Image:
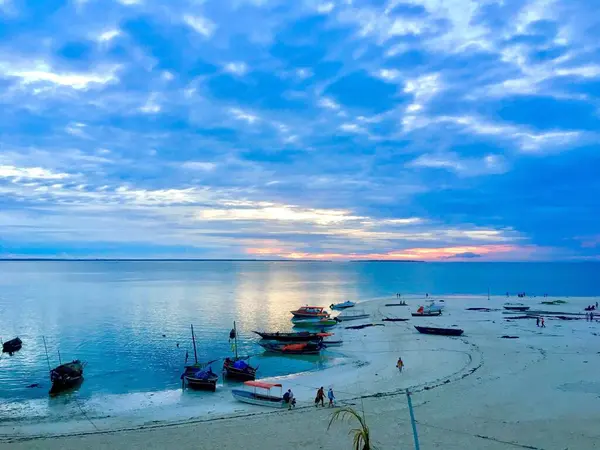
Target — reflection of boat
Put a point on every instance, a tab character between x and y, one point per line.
345	305
352	315
515	307
258	398
440	331
304	348
310	311
422	311
12	346
199	375
237	368
322	323
300	336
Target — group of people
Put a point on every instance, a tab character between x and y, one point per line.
290	400
540	322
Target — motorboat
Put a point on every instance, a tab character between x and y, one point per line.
262	397
299	336
303	348
12	346
516	307
308	319
321	324
310	311
426	312
352	315
344	305
440	331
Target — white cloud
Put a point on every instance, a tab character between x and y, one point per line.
388	74
328	103
242	115
201	25
352	128
109	35
201	166
42	73
489	164
236	68
31	173
151	106
130	2
77	129
325	8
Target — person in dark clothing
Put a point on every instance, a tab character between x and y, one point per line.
537	322
320	397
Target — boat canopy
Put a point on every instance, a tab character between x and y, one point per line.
262	384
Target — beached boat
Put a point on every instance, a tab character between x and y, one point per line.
66	376
332	343
12	346
426	314
352	315
237	368
344	305
308	319
440	331
433	306
199	375
303	348
299	336
310	311
321	324
259	398
516	307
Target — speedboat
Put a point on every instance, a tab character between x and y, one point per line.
340	306
310	311
426	312
352	315
322	323
264	398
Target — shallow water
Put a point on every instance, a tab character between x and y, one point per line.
125	319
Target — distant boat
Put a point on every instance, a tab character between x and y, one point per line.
344	305
305	348
260	399
299	336
516	307
310	311
332	343
352	315
237	368
12	346
440	331
321	324
199	375
422	311
65	376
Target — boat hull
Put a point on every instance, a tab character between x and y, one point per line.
343	318
233	373
517	308
440	331
201	385
12	346
302	336
341	306
270	401
427	314
308	349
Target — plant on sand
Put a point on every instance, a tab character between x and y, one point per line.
362	435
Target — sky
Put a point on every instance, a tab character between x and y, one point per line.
446	130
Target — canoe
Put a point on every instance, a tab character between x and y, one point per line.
299	336
305	348
345	305
260	398
440	331
12	346
427	314
199	377
66	376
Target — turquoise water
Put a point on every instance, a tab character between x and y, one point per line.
113	315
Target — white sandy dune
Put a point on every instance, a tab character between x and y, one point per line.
479	391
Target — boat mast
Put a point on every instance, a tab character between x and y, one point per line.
235	340
194	342
59	360
47	358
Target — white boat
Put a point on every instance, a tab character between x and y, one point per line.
352	315
264	398
432	306
345	305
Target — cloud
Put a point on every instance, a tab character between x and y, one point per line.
30	173
43	73
236	68
201	25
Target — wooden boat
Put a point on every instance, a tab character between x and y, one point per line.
12	346
310	311
65	376
304	348
516	307
321	324
440	331
299	336
340	306
237	368
352	315
259	398
199	375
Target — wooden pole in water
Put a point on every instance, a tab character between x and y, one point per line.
194	342
412	420
47	358
235	340
59	360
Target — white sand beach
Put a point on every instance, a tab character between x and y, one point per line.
477	391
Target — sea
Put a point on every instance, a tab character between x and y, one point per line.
129	321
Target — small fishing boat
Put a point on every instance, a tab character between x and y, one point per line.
332	343
237	368
299	336
433	306
199	375
304	348
344	305
352	315
321	324
516	307
423	311
440	331
66	376
12	346
310	311
394	319
259	398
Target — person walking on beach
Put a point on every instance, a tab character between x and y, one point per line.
320	397
331	397
543	324
537	322
288	397
400	365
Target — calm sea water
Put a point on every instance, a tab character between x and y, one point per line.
125	318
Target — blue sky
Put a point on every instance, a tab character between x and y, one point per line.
419	129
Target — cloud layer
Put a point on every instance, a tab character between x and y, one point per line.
412	129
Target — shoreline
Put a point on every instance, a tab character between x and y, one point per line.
435	366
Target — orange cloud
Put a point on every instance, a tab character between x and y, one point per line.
427	254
